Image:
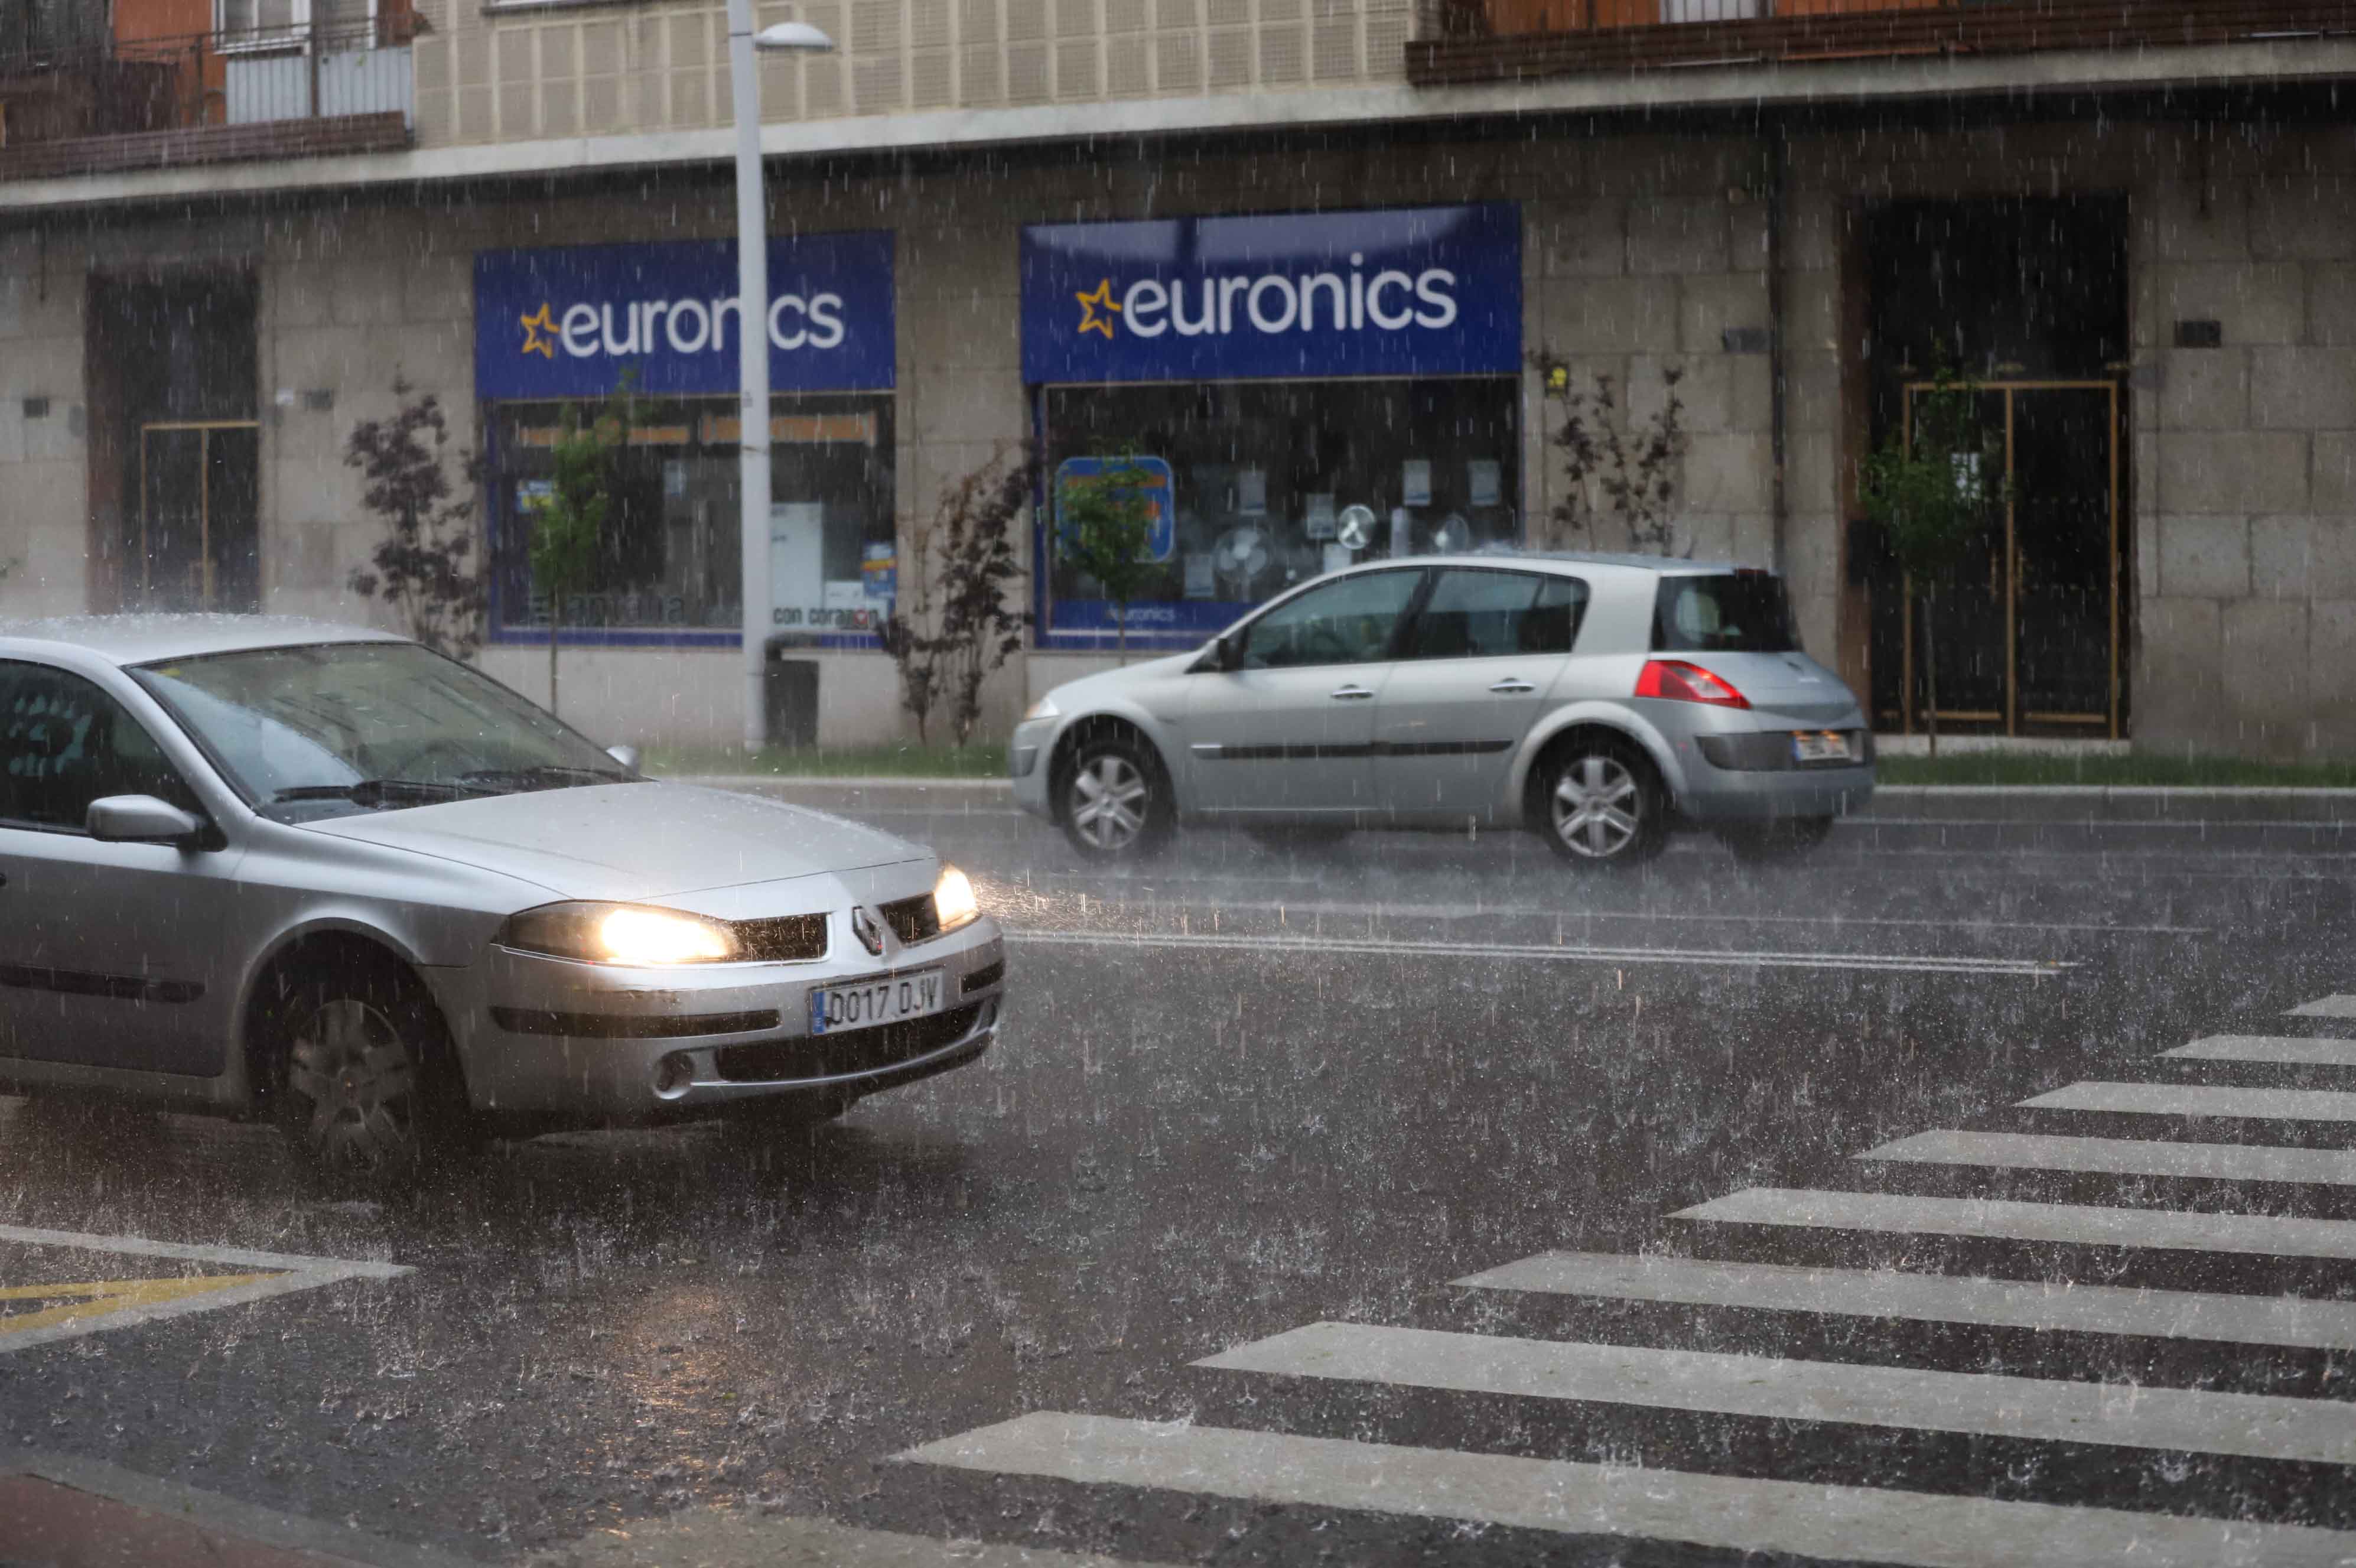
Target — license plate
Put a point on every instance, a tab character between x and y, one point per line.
1819	745
865	1003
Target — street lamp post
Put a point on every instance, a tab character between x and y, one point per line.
753	336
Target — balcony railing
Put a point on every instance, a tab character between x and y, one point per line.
205	98
1495	40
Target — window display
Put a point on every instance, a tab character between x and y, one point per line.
1274	483
672	558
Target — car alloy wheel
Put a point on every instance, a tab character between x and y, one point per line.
356	1080
1112	801
1597	808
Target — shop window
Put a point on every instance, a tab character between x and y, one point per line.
1274	483
671	559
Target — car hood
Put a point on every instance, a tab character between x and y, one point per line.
1073	695
630	841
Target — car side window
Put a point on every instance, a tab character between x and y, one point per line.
65	742
1348	622
1477	614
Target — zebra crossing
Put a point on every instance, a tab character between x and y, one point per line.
1809	1518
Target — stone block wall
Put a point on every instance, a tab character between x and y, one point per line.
2246	473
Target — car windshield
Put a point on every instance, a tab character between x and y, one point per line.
334	728
1735	612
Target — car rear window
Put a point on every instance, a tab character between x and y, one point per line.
1734	612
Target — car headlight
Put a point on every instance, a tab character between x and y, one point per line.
953	899
619	933
1045	708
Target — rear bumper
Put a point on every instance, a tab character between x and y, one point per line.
1719	795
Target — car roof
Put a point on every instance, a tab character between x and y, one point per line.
1660	565
127	640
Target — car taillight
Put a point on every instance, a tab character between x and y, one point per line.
1682	682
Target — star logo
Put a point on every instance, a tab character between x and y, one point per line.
1099	298
540	333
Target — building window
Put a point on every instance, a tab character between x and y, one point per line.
671	561
1274	483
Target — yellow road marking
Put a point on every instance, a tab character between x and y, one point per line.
99	1298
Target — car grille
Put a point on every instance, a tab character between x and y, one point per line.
786	938
985	977
916	920
861	1050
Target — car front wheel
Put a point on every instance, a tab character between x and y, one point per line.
1116	804
1600	804
366	1096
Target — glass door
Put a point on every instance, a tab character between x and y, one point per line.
198	529
2028	628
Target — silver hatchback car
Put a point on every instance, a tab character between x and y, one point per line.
1599	700
279	868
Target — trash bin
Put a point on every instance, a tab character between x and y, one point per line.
789	694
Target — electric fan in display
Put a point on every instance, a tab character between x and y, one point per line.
1241	554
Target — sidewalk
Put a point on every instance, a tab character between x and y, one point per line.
2002	803
57	1511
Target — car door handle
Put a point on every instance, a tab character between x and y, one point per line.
1350	694
1512	686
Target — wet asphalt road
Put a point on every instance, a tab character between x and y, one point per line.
1244	1091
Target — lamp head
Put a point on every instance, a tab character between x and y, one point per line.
799	36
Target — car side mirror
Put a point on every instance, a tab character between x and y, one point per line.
1225	653
141	818
627	755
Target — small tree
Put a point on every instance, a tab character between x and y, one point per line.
1633	466
1103	523
952	625
421	565
568	523
1931	496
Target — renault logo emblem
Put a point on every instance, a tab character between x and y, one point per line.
863	927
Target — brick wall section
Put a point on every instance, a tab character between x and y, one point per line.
2246	453
42	462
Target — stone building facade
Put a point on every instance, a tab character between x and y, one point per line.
1748	257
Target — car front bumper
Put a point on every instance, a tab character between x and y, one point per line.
1027	763
559	1042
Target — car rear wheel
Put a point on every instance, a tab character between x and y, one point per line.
1116	800
368	1095
1600	805
1766	843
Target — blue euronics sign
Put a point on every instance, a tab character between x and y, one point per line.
571	322
1401	291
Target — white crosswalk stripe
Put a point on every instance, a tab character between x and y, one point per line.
2202	1099
2296	1050
2123	1156
1870	1523
1936	1299
2188	1420
1848	1523
2002	1219
2341	1006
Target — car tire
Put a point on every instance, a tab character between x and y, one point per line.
1600	804
1758	844
1114	800
366	1082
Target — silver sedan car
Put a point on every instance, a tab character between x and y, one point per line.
1602	701
325	876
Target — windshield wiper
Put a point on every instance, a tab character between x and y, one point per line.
376	791
545	773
